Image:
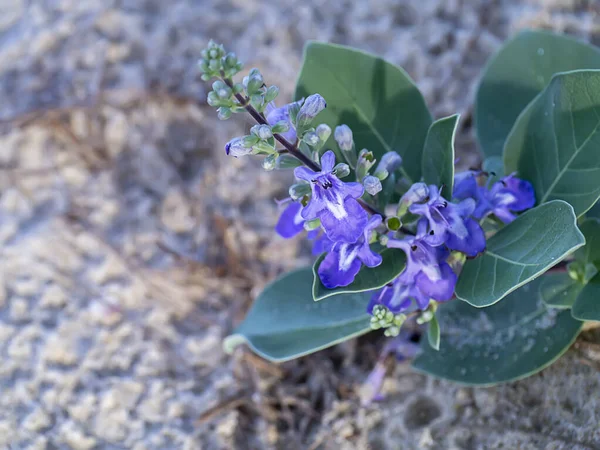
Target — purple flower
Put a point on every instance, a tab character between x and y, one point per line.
343	262
334	202
290	222
275	115
450	223
509	195
427	276
321	242
465	185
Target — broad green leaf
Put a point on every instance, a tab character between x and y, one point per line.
594	212
433	334
376	99
587	305
590	253
559	290
367	279
285	323
554	143
508	341
519	252
438	153
520	71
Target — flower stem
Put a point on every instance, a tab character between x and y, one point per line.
291	148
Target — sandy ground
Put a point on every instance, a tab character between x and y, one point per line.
130	245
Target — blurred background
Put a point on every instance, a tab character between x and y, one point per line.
130	245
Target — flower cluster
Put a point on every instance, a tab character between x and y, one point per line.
435	229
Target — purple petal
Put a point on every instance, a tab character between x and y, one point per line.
347	224
321	244
368	257
504	215
304	173
339	267
327	161
353	189
441	289
290	222
465	185
472	244
523	192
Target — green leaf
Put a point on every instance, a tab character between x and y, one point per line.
376	99
368	279
519	72
433	333
590	253
508	341
594	212
519	252
285	323
559	290
438	153
554	143
587	305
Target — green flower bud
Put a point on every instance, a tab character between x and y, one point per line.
299	190
323	131
250	140
425	317
253	82
213	99
262	131
257	101
264	147
366	160
311	107
392	331
310	225
341	170
223	113
311	138
271	93
270	162
280	127
293	109
393	223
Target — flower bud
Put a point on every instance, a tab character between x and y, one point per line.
393	223
310	225
366	160
425	317
236	148
311	138
323	131
270	162
224	113
280	127
388	163
253	82
299	190
418	192
262	131
343	137
372	184
312	106
341	170
250	140
271	93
